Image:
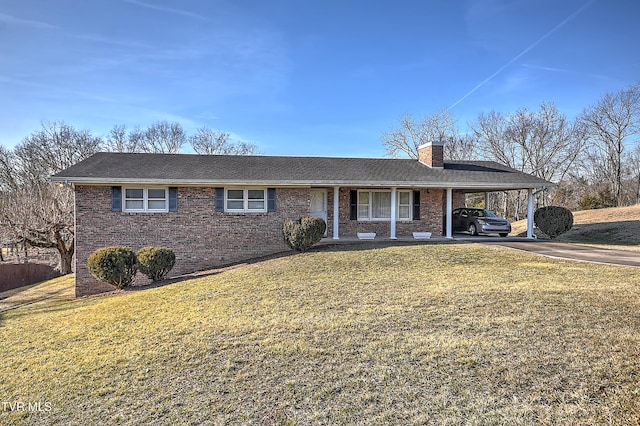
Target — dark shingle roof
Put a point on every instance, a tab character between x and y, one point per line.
185	169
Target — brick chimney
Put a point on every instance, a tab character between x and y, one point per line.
432	154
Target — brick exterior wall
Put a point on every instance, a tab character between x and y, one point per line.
203	238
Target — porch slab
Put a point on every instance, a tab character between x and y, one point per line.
461	238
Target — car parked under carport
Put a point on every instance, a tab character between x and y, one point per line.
477	221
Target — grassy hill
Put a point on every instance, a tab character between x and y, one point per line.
618	226
431	333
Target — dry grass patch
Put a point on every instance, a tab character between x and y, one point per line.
616	228
39	295
442	334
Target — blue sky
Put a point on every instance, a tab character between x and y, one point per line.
305	77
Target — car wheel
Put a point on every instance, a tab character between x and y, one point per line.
503	234
472	229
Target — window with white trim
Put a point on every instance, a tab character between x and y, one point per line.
404	205
145	199
376	205
245	200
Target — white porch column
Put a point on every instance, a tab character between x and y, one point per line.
336	210
449	233
530	214
486	200
393	213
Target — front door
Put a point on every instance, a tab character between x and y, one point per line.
318	205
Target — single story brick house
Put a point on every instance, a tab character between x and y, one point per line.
218	209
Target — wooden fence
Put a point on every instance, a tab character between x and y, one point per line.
14	275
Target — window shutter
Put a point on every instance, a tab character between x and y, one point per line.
173	199
220	199
416	205
354	205
271	199
116	198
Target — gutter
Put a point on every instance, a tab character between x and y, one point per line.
306	183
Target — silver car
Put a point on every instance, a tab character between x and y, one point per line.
479	221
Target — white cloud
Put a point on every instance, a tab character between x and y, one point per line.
168	10
12	20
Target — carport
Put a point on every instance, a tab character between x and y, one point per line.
498	181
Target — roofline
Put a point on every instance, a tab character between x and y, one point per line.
302	183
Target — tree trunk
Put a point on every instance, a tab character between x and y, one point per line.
66	260
66	254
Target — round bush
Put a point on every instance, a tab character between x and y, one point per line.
113	265
553	220
156	262
303	233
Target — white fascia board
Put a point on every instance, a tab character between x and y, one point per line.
327	183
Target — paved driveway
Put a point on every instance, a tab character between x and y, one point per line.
568	251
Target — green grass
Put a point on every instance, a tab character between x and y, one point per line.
440	334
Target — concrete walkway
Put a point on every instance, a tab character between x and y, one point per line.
575	252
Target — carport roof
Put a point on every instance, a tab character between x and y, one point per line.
223	170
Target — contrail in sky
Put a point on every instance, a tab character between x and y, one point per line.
524	52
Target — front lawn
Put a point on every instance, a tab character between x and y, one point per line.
420	334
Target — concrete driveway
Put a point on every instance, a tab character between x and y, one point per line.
567	251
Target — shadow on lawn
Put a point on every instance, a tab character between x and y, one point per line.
626	232
621	233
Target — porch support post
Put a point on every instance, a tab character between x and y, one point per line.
393	213
449	233
336	210
530	214
486	200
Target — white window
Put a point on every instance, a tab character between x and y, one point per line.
376	205
145	199
404	205
246	200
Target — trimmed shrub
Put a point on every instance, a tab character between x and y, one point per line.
113	265
156	262
553	220
301	234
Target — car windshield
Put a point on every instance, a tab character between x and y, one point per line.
489	213
483	213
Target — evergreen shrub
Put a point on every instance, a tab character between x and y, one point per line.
303	233
114	265
553	220
156	262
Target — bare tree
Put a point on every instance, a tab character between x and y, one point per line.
632	163
461	147
7	162
543	143
491	131
51	149
209	142
41	216
611	125
119	140
163	137
405	139
33	210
